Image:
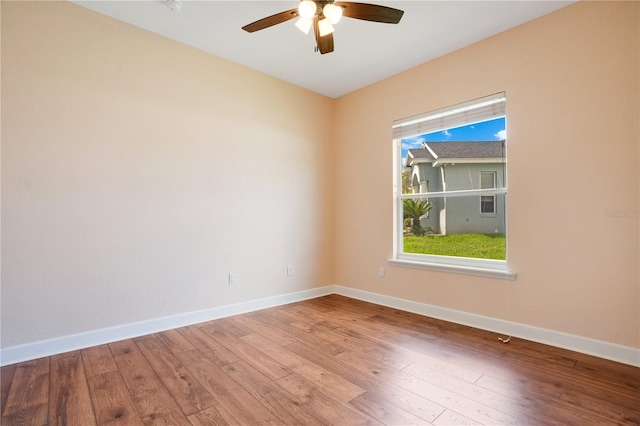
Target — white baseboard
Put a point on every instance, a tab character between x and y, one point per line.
29	351
606	350
15	354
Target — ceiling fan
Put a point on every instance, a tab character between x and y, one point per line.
322	14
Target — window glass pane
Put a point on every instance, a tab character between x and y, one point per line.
455	165
454	226
487	180
487	204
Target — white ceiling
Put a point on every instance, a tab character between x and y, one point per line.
365	52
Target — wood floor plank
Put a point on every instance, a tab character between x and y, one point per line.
28	397
211	416
241	408
451	418
384	411
279	337
548	403
305	319
207	372
187	391
346	315
478	345
369	380
512	407
233	327
125	347
279	401
335	302
259	341
357	337
253	356
300	335
112	401
136	372
277	352
606	406
392	346
321	405
365	363
605	369
537	383
157	407
525	388
605	378
6	376
174	341
291	313
199	339
332	384
69	399
98	360
452	400
338	387
487	357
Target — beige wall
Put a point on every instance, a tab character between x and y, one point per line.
137	173
572	86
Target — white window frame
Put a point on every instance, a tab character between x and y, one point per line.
455	116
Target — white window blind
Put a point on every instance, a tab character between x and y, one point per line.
478	110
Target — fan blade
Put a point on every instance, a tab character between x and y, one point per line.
272	20
325	43
370	12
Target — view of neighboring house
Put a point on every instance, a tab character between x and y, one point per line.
456	166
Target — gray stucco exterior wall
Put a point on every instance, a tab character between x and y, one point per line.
457	215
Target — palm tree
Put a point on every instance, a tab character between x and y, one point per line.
414	209
406	182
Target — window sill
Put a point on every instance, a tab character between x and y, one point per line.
500	273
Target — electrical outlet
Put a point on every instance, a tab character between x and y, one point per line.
381	272
233	278
289	271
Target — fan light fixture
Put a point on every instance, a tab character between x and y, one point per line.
322	15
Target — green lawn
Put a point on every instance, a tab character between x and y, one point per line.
485	246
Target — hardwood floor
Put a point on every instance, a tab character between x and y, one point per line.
330	360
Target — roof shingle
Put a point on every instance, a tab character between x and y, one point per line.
460	149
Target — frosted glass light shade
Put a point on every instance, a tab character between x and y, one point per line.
325	27
307	9
332	12
304	25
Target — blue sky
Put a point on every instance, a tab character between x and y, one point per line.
492	130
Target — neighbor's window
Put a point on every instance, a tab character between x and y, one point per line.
446	162
488	202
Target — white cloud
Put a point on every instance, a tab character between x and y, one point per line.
502	134
411	143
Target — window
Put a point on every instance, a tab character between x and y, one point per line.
487	202
446	160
